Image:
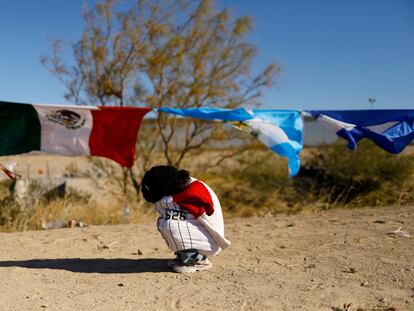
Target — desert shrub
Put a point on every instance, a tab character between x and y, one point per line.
48	210
255	185
74	206
9	208
4	187
18	215
367	176
10	212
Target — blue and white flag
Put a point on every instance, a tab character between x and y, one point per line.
280	130
392	130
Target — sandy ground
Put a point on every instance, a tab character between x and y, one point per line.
303	262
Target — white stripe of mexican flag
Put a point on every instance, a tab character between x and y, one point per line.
65	130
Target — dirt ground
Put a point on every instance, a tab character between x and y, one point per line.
322	261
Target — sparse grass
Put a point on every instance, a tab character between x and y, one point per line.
367	176
254	183
56	212
256	186
331	176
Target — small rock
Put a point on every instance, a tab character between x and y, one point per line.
139	253
399	232
72	223
121	284
351	270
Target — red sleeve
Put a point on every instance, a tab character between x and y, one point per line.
195	199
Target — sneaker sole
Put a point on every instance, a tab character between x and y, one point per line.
191	269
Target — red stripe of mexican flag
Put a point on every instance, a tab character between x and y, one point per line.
109	132
114	133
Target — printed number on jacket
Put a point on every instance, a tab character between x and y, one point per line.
175	214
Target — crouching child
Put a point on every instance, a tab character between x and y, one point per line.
190	217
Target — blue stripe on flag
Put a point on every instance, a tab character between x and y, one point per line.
208	113
285	129
366	117
286	150
392	130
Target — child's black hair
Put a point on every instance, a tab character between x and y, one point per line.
163	180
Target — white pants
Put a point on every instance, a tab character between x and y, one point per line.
181	231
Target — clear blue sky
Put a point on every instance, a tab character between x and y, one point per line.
334	54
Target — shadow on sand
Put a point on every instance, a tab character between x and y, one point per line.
94	265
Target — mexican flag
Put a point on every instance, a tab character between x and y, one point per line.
109	132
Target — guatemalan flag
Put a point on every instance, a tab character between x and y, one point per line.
109	132
280	130
392	130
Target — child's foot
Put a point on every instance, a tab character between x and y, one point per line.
201	265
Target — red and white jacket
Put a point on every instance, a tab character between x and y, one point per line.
192	219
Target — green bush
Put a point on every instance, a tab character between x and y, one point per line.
366	176
17	215
257	184
253	185
49	209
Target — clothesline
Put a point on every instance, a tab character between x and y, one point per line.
111	131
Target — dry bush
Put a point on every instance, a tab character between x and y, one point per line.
256	182
76	207
253	184
367	176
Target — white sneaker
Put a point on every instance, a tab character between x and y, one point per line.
198	266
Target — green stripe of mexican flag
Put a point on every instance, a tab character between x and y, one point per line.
71	130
